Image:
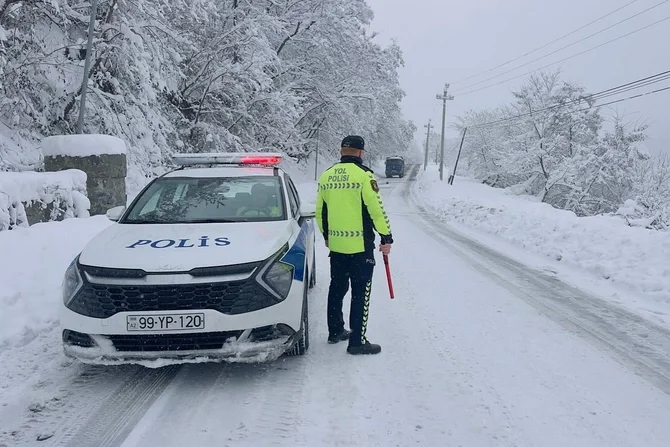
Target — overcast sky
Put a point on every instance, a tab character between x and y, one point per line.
446	41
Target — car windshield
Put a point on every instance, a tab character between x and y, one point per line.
208	200
394	162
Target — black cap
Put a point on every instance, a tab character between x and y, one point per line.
354	142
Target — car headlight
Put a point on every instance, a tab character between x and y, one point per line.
276	276
72	282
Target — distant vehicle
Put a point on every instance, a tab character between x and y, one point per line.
212	260
395	166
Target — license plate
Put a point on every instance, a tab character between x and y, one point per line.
173	322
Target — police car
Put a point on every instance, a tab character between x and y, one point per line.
211	261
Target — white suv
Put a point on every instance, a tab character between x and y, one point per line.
211	261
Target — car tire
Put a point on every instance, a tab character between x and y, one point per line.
302	345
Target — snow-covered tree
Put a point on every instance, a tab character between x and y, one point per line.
550	142
555	126
651	193
482	151
600	177
196	75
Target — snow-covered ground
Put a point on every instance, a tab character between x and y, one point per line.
627	264
33	262
477	351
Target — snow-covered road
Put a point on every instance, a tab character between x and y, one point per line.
478	351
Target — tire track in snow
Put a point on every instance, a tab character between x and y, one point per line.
341	390
69	401
226	405
191	400
634	342
280	410
117	415
79	405
328	380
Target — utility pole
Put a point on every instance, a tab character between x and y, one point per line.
453	176
425	161
316	160
87	65
314	131
444	98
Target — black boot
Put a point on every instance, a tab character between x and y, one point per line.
367	348
342	336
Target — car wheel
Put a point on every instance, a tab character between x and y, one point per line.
302	345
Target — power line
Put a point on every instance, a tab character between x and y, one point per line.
563	48
515	119
567	58
602	105
600	95
501	125
648	78
627	89
548	44
632	97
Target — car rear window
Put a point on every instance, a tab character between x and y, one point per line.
205	200
394	162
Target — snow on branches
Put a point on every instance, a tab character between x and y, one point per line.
196	75
552	142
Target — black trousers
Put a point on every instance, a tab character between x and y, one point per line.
357	269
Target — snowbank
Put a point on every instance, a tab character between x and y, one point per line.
606	246
33	263
54	195
307	192
82	145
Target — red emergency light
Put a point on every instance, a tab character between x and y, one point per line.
261	160
228	158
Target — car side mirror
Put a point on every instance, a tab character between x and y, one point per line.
114	214
307	210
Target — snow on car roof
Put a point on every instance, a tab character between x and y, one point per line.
227	171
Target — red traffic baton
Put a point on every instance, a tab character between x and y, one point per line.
388	276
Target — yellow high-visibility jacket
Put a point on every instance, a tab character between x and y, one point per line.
349	208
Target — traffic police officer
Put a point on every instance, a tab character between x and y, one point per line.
348	210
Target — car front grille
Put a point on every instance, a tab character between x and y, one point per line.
171	342
232	298
185	342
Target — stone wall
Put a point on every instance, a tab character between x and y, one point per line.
106	177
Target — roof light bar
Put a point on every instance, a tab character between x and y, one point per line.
223	158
